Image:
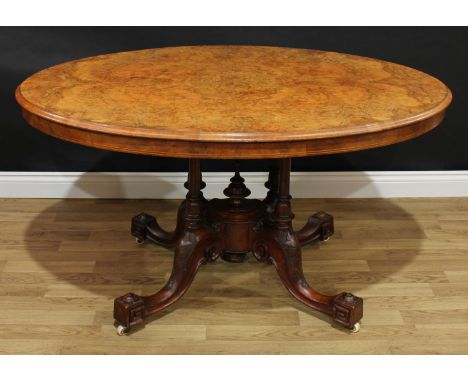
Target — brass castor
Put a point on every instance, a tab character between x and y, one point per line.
356	327
122	330
140	241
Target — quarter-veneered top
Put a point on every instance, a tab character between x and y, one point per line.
208	101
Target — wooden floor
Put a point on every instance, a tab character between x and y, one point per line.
63	261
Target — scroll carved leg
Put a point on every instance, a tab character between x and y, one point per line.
344	308
145	226
192	251
279	244
194	243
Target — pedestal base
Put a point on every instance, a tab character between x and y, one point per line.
232	229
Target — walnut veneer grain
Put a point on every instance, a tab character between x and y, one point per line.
232	102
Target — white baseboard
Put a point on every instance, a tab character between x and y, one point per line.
373	184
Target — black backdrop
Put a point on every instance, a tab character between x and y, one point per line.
439	51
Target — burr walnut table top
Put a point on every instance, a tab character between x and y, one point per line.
232	102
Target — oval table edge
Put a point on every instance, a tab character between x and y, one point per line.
235	147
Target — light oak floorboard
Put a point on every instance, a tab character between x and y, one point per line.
62	262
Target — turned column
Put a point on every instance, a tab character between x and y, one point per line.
194	200
272	185
282	214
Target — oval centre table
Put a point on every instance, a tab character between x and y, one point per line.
233	102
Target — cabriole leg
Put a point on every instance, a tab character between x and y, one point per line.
194	244
280	245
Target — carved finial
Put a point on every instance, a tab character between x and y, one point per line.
236	191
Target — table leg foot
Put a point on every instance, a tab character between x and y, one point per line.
348	311
319	226
129	310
